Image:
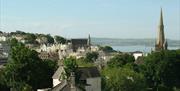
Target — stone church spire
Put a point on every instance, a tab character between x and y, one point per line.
89	40
161	18
160	41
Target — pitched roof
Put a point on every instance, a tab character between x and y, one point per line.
88	72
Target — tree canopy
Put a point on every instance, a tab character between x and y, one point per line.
25	70
70	65
161	70
122	79
91	56
106	48
60	39
120	59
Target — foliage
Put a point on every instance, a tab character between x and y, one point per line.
31	38
18	32
122	79
82	62
70	65
120	59
25	70
161	70
106	49
13	42
50	39
91	56
60	39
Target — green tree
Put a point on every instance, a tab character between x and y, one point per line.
60	39
106	48
161	70
120	60
31	38
70	65
26	70
50	39
91	56
122	79
82	62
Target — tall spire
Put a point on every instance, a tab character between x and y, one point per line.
161	18
89	40
161	42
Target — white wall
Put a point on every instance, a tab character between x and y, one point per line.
136	55
3	38
56	82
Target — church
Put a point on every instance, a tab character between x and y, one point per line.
161	42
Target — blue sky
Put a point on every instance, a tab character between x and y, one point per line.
100	18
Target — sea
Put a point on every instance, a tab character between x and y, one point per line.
145	49
131	45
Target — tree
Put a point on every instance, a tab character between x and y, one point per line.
30	38
25	70
106	49
70	65
91	56
122	79
82	62
120	60
60	39
50	39
161	70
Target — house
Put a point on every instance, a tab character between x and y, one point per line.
19	38
69	85
58	76
41	40
137	54
4	36
89	78
50	55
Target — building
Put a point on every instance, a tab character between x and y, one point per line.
137	54
88	76
81	43
161	43
69	85
91	78
4	36
58	76
49	55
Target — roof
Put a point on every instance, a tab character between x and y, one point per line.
65	86
60	86
58	72
79	41
88	72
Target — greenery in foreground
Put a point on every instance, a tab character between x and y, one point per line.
25	71
160	72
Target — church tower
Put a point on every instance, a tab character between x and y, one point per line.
89	41
161	43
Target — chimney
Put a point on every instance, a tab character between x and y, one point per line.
72	81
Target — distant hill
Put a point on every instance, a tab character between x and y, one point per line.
131	42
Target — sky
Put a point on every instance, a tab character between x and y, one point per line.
99	18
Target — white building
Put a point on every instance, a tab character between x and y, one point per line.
137	54
4	37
